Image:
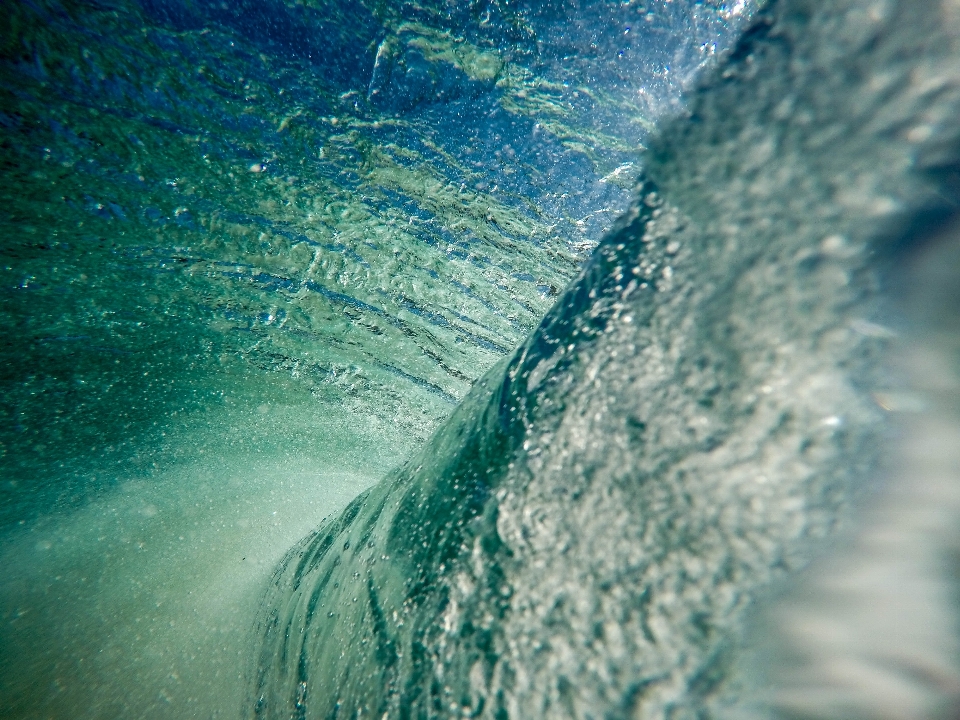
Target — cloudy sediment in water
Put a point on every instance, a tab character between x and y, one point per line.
256	254
253	255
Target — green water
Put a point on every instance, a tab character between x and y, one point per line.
138	238
191	214
590	532
244	274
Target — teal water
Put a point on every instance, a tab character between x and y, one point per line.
253	255
259	256
195	193
589	533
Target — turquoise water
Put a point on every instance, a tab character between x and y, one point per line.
253	255
265	262
201	201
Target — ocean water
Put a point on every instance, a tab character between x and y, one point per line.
253	255
497	360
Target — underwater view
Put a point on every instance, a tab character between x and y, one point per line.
500	359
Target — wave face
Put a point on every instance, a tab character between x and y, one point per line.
253	253
352	205
582	537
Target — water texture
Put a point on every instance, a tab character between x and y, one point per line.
583	537
259	255
253	255
367	204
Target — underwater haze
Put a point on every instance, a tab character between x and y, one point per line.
493	359
253	255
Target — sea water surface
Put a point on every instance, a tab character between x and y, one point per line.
253	254
258	254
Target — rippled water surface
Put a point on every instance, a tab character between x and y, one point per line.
258	256
366	205
253	254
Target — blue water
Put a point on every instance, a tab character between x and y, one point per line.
334	386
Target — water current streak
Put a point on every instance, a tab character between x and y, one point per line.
583	536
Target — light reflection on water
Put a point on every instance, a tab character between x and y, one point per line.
252	256
245	276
